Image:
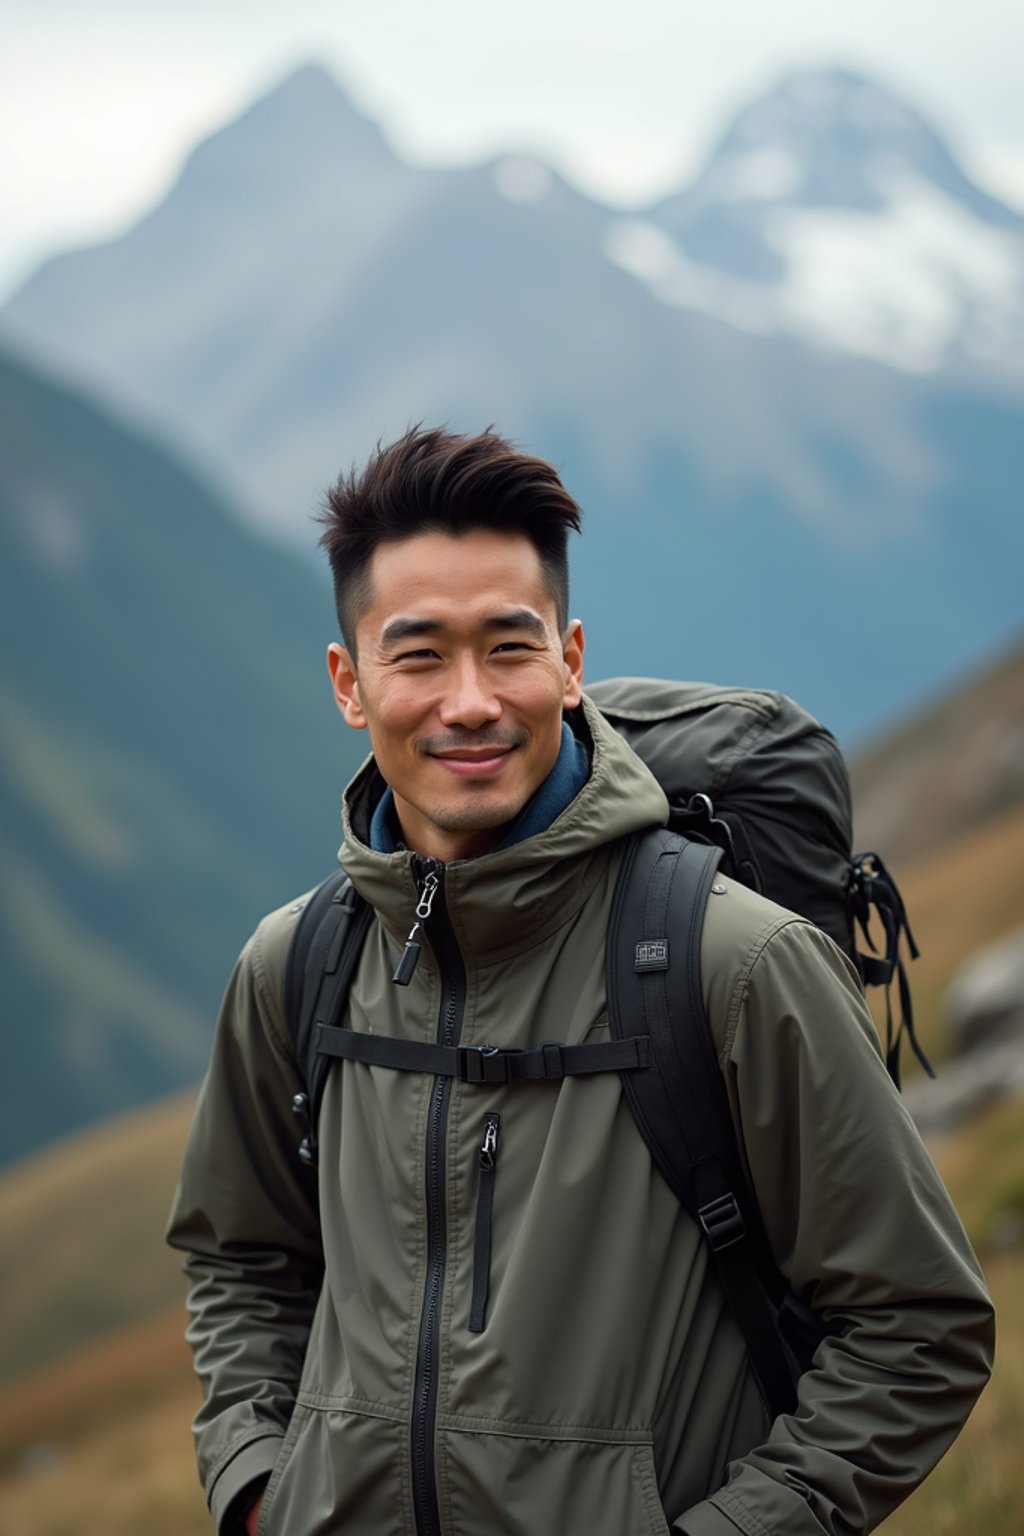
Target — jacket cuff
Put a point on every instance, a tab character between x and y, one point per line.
255	1460
704	1520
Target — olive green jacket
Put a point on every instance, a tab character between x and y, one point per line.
607	1392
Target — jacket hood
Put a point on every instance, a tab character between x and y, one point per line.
504	902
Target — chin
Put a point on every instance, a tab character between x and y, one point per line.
476	817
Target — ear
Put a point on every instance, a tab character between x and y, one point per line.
345	684
573	646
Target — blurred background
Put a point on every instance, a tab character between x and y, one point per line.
754	281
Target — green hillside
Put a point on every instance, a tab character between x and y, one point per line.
170	759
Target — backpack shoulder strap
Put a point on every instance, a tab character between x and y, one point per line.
679	1103
322	958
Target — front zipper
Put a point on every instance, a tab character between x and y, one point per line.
411	952
432	916
488	1158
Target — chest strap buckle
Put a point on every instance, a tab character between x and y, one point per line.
483	1064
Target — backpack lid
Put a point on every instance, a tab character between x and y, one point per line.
749	749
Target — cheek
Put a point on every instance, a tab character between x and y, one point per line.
400	708
544	696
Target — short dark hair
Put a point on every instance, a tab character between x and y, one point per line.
435	481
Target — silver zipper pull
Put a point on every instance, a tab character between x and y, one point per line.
489	1145
426	900
411	952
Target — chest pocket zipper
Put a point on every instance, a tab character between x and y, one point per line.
488	1158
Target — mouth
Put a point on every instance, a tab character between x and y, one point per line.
473	762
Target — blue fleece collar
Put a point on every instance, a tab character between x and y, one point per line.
545	805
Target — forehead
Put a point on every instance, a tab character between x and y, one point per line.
459	581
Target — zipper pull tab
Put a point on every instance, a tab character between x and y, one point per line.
489	1145
411	952
407	960
484	1219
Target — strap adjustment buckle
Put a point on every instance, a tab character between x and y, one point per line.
551	1056
722	1222
483	1064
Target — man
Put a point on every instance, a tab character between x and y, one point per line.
485	1312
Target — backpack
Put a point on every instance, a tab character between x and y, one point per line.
753	773
758	789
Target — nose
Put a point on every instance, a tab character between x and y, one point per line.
469	699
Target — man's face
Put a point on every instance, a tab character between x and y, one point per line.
461	680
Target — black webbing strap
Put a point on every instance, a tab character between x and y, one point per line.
322	959
484	1063
680	1107
873	889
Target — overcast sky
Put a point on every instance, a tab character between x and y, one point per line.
99	102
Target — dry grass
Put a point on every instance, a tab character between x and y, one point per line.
81	1236
108	1380
979	1487
948	770
123	1477
960	899
101	1442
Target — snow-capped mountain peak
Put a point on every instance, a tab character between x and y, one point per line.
831	209
832	139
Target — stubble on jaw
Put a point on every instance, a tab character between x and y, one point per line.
470	813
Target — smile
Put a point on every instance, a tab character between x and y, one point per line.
474	763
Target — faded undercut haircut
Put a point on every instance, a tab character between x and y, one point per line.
435	481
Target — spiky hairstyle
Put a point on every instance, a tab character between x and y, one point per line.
435	481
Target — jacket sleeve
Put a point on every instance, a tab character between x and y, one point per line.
245	1214
862	1227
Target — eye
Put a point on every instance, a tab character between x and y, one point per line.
421	655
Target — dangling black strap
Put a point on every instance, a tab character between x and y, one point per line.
872	888
483	1063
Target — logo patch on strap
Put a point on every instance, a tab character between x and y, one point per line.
651	955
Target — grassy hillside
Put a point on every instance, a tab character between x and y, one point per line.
81	1251
170	759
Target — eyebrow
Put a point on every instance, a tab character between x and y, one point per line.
520	620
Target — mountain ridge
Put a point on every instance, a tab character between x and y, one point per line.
836	123
802	482
148	640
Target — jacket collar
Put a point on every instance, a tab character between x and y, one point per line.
510	899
